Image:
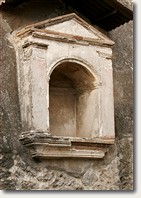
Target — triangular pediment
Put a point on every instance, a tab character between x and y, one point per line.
73	26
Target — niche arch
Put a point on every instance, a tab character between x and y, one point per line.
79	61
73	98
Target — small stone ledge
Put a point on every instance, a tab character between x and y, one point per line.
43	145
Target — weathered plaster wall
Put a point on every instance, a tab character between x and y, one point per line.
17	170
123	96
9	108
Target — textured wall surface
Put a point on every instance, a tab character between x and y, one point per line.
17	170
123	96
123	78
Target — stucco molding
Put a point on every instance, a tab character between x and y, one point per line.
41	30
42	145
73	121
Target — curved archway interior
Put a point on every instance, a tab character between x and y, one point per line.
72	101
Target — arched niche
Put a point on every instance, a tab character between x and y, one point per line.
65	88
73	100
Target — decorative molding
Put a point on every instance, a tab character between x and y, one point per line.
35	44
38	30
43	145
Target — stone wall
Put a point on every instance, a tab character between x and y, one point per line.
123	96
17	170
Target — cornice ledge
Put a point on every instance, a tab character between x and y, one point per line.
43	145
63	37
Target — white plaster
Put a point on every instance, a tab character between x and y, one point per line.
72	27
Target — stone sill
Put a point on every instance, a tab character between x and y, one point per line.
43	145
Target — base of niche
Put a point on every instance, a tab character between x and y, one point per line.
42	145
